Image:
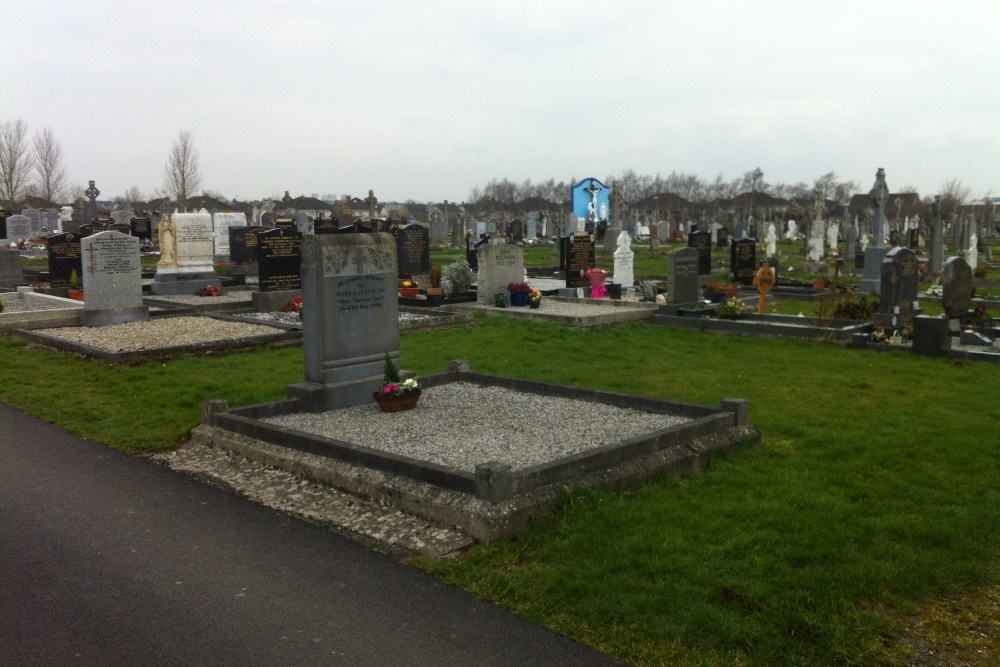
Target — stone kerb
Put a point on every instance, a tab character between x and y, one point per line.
499	265
112	280
350	318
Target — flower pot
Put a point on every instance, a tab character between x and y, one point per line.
534	304
615	291
519	298
819	284
392	403
409	292
75	294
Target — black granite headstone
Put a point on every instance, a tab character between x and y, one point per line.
743	260
413	250
279	259
142	228
243	244
722	237
64	257
325	225
576	256
285	222
898	283
702	242
515	231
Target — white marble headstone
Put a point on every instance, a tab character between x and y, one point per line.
221	222
195	241
624	272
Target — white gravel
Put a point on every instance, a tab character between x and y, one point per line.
512	427
159	333
31	302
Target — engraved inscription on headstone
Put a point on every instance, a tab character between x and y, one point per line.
576	256
412	250
279	260
64	258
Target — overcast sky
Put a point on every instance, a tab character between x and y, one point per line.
425	100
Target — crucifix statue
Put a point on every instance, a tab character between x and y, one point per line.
592	207
371	204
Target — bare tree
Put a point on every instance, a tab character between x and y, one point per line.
15	160
50	175
183	176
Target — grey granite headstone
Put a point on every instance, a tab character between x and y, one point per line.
499	265
50	221
682	281
121	217
532	225
350	318
956	286
11	274
221	222
18	228
34	219
112	280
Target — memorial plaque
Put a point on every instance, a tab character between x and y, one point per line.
64	258
285	222
682	281
141	228
243	244
702	242
413	250
576	256
279	260
743	260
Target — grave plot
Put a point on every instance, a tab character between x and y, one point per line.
478	468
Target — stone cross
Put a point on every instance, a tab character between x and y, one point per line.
937	239
371	204
616	204
92	194
879	195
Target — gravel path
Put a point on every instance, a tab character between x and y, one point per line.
511	427
152	334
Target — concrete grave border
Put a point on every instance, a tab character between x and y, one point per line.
494	502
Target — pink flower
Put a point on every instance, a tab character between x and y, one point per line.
390	388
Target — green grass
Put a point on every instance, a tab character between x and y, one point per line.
874	491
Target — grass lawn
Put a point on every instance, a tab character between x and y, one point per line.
873	496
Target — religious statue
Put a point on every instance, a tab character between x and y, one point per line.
168	244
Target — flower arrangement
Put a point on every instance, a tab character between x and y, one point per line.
407	284
730	307
519	288
977	318
501	299
535	298
392	385
208	290
294	306
879	335
146	245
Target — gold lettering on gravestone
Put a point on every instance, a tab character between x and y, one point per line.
763	281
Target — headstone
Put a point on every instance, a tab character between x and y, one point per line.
413	250
187	251
350	318
279	260
743	260
347	229
243	245
832	236
682	280
624	260
121	216
772	240
18	228
972	249
34	219
11	274
721	237
899	277
956	286
576	256
4	214
141	228
64	258
875	254
50	221
221	224
515	231
532	226
325	226
702	242
112	280
611	235
499	265
852	242
90	228
816	238
285	222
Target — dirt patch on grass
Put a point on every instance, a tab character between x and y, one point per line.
955	631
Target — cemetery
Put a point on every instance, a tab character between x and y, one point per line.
566	392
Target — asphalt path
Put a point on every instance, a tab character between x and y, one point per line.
109	559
